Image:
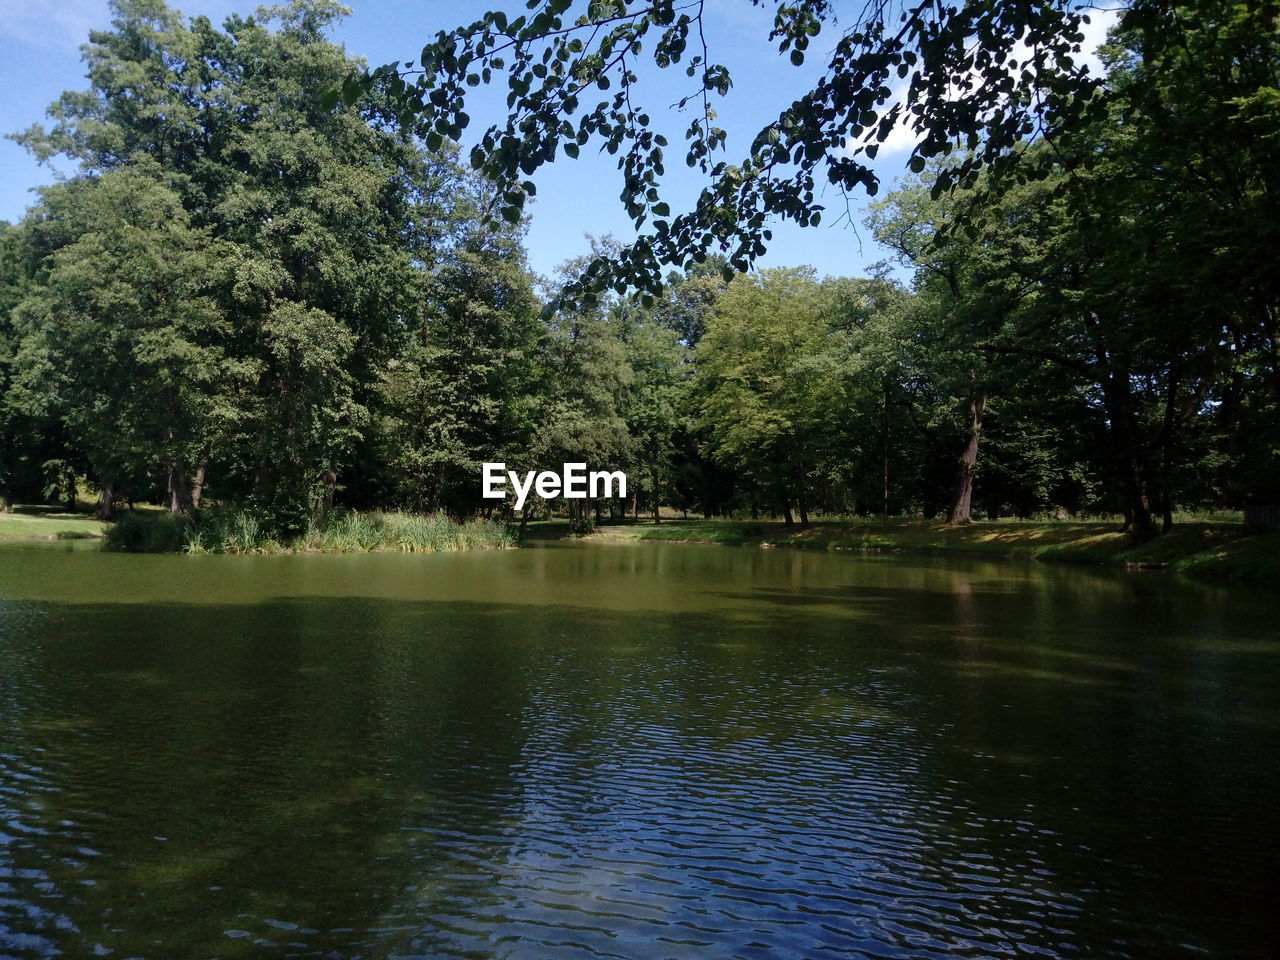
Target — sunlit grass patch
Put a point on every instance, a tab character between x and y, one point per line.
49	526
1193	547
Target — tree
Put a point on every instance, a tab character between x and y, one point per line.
657	359
330	222
689	298
586	381
873	456
760	388
126	331
980	75
14	278
463	390
952	313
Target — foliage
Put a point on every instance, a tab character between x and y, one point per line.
218	300
230	530
977	74
298	307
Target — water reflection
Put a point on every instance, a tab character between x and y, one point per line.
629	752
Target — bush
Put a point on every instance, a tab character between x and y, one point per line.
228	530
148	533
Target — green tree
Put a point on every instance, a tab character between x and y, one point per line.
126	334
14	452
657	358
587	382
463	391
332	223
763	379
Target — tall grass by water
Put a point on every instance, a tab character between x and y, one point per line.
338	531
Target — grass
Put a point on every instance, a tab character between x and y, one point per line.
1255	559
1210	550
342	531
34	523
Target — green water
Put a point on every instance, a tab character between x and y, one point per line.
631	751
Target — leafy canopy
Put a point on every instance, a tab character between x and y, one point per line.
981	75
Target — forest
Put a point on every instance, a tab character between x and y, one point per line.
251	295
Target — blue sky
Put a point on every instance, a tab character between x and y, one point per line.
40	57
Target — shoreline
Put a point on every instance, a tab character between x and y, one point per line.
1223	553
1205	551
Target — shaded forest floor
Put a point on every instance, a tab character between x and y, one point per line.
1215	551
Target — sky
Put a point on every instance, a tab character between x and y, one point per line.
40	57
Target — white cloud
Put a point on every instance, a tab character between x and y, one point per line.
902	139
65	24
1101	20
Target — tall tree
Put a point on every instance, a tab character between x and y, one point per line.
331	222
758	385
657	358
127	332
583	406
463	390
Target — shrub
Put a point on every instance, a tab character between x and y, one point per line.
148	533
227	530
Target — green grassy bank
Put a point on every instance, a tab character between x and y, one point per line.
233	531
342	531
38	523
1205	550
1217	551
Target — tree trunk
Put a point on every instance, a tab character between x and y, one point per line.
962	499
786	513
330	485
1138	520
580	517
1124	440
106	509
8	502
197	492
179	492
802	493
884	438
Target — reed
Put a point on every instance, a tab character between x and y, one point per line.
228	530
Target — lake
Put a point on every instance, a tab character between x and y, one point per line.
631	751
